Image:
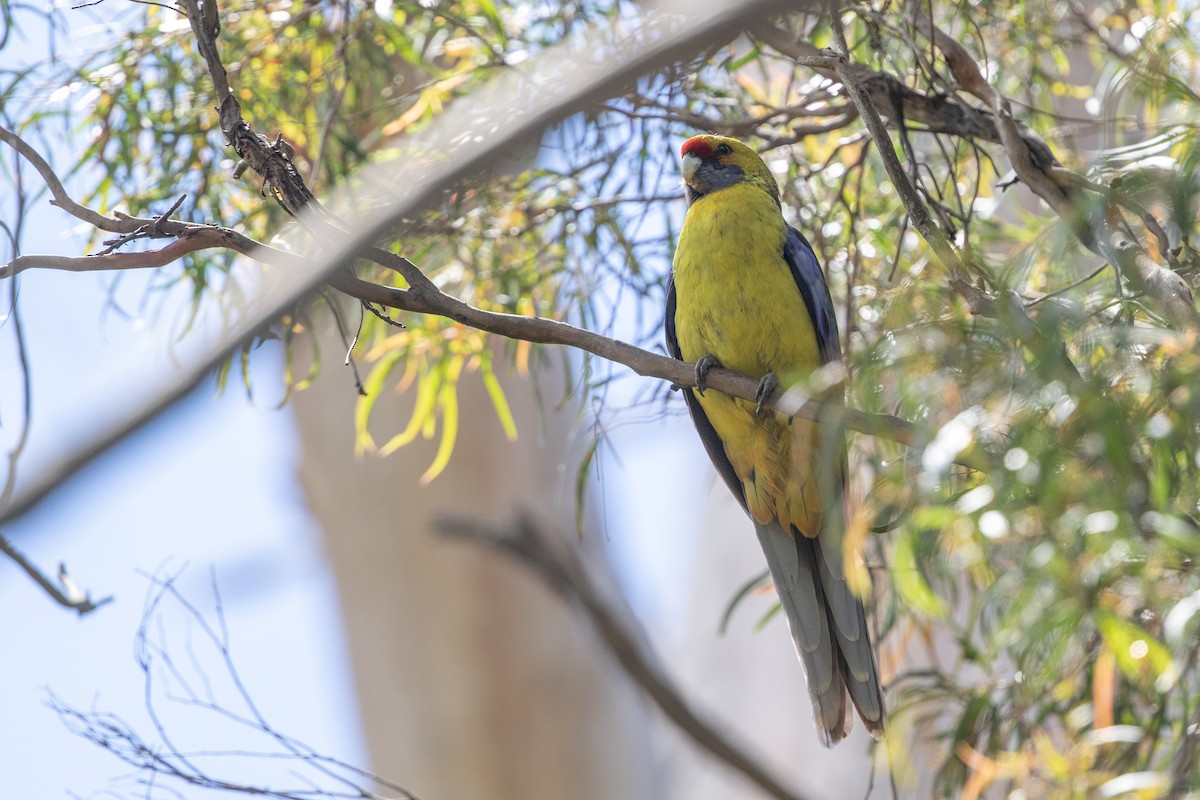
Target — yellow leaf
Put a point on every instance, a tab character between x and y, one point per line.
910	583
1139	655
427	394
362	411
523	349
499	401
431	100
854	541
448	401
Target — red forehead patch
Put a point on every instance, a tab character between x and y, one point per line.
698	146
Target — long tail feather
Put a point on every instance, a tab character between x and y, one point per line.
829	629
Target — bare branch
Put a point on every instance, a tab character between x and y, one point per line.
193	237
66	593
937	113
190	240
1031	158
59	194
1005	305
565	574
547	331
299	771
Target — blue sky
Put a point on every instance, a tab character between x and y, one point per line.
208	485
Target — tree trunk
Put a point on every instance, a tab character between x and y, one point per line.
474	681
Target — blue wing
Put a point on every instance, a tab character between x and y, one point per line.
802	261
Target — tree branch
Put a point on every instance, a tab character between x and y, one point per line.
938	113
516	108
539	330
57	192
1105	233
428	299
561	569
1004	305
1032	160
68	595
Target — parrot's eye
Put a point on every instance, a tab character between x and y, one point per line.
724	149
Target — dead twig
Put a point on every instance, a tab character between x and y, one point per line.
66	592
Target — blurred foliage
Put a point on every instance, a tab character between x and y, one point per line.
1039	620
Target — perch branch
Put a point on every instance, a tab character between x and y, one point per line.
424	299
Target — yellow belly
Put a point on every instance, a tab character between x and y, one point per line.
736	300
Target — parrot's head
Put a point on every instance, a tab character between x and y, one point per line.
712	163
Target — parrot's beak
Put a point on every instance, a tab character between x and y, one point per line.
691	163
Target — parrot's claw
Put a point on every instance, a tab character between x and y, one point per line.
766	387
702	367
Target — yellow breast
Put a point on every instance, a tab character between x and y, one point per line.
736	299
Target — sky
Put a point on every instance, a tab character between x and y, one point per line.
206	494
207	490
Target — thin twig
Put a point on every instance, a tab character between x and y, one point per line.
315	775
1003	304
65	593
1068	287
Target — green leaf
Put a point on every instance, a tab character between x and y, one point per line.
1137	651
428	385
910	582
757	582
581	484
448	402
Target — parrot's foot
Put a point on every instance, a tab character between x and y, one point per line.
702	367
766	387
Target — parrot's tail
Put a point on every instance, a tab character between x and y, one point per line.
816	599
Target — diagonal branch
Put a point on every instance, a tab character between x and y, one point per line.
1105	232
67	595
58	194
1032	159
539	330
193	237
1005	305
522	541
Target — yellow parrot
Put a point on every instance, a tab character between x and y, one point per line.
747	294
